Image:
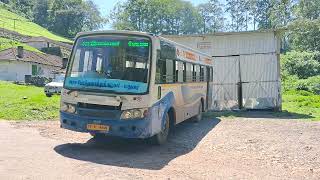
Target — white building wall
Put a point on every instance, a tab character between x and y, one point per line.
16	70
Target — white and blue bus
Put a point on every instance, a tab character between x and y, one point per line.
133	85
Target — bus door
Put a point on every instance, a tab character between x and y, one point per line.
209	87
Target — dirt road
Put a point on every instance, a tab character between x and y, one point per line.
212	149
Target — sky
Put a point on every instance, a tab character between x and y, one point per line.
106	6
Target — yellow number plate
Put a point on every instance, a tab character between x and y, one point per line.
97	127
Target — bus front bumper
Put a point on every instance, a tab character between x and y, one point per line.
140	128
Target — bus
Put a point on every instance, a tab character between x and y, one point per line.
133	85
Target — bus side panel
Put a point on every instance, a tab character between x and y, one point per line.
158	112
192	94
187	98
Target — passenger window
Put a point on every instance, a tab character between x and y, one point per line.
165	71
189	72
202	76
196	73
180	71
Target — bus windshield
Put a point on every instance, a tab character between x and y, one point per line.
117	64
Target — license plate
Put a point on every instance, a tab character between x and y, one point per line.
97	127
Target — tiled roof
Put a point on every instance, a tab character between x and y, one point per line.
30	56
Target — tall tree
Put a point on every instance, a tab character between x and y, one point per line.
68	17
23	7
239	14
309	9
156	16
281	13
212	16
264	8
41	12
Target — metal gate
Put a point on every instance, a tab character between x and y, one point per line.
260	81
225	83
246	82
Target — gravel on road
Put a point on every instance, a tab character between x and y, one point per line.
239	148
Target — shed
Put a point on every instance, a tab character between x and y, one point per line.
246	67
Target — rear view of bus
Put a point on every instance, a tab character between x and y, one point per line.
111	87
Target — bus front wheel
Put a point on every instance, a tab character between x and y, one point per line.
162	137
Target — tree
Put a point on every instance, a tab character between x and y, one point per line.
212	16
23	7
309	9
41	12
264	8
305	35
156	16
281	13
239	14
68	17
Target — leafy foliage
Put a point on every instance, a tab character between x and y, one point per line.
212	16
156	16
64	17
301	64
305	35
13	22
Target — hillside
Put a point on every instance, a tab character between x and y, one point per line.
14	22
7	43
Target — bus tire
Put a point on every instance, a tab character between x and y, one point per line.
161	138
198	117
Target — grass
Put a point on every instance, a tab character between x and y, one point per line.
36	106
7	43
14	22
302	102
295	105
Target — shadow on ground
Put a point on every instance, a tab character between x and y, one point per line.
257	114
138	153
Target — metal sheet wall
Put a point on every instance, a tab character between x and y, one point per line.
260	81
228	44
259	67
225	83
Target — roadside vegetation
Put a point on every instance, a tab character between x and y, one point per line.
19	24
19	102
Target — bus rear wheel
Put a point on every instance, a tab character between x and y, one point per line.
198	117
161	138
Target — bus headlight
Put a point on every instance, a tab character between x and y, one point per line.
134	114
65	107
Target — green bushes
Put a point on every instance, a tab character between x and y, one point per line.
312	84
301	71
301	64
